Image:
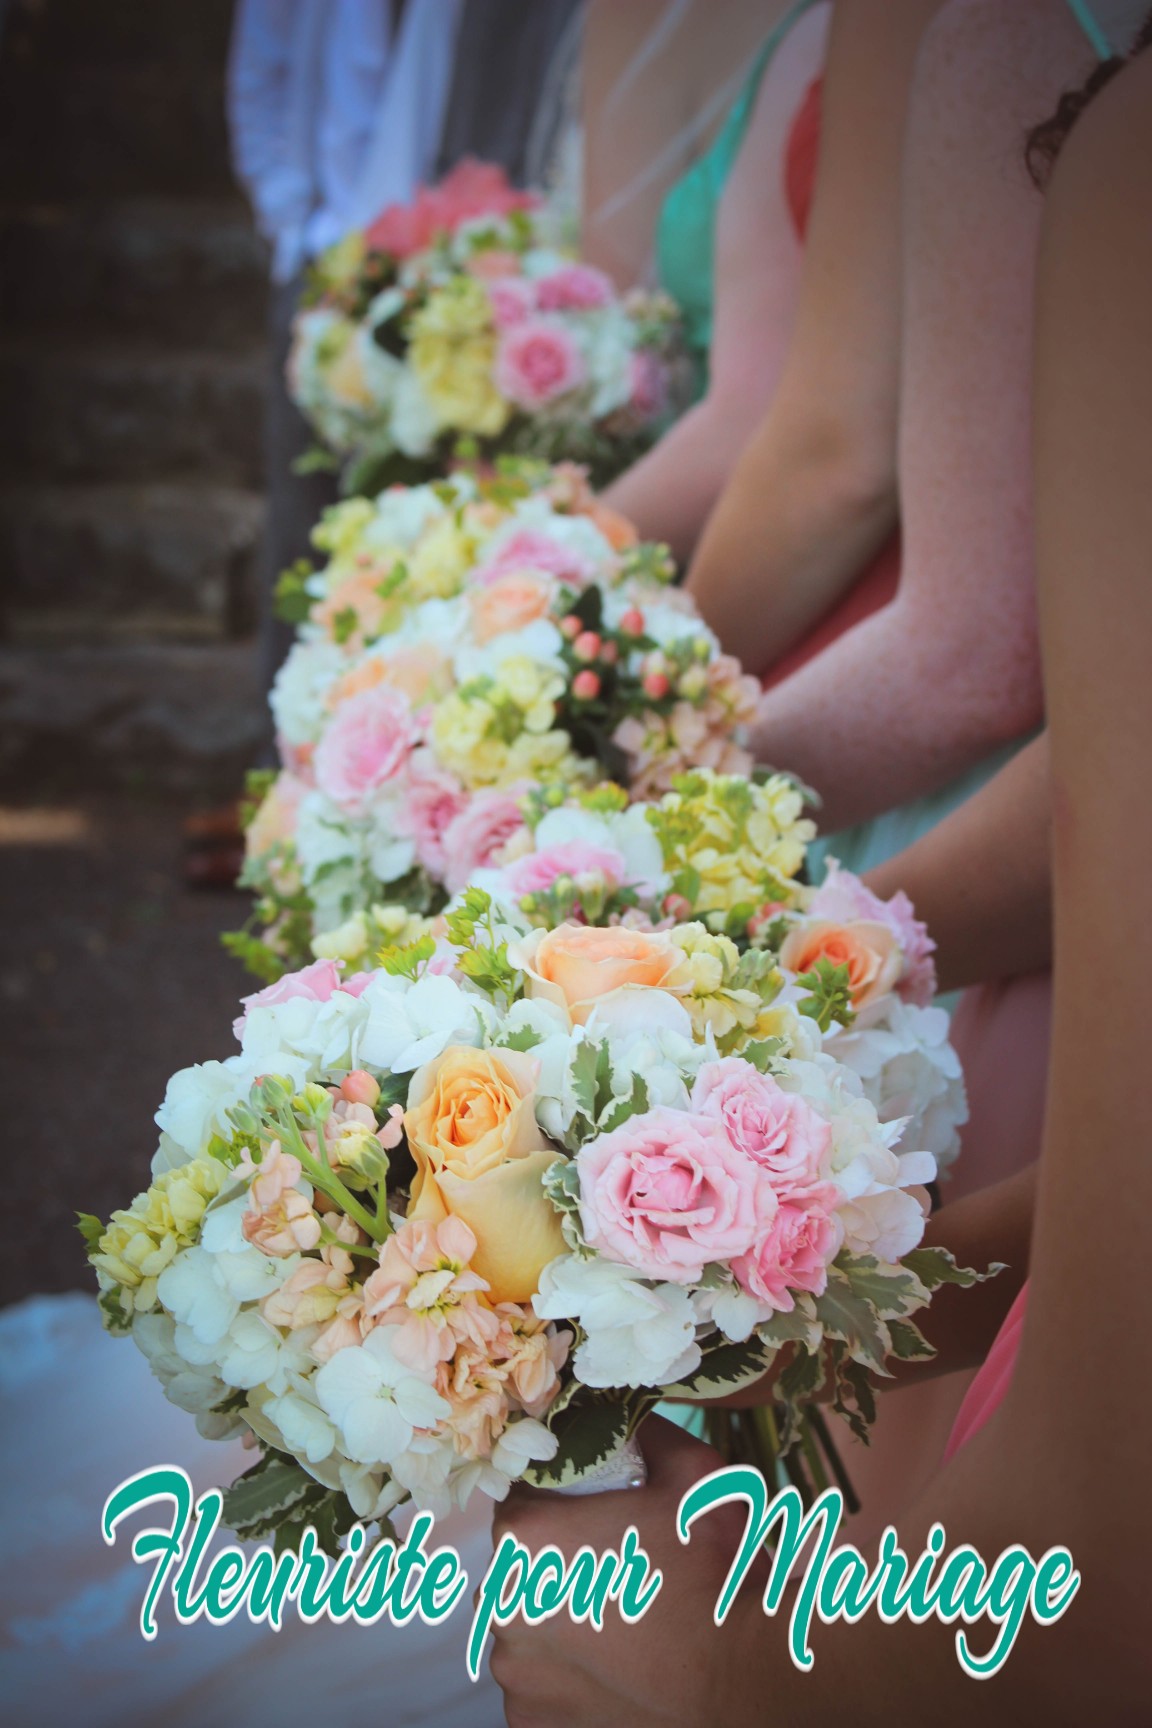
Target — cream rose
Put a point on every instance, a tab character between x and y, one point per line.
578	966
868	949
481	1157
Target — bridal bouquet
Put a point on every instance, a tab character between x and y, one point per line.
464	1216
467	645
455	324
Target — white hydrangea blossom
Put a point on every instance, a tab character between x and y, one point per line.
638	1333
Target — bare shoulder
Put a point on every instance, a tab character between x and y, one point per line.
1104	172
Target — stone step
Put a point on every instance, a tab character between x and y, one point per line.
112	131
130	414
184	271
154	718
91	563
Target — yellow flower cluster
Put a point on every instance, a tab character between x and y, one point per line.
500	729
358	939
452	353
732	995
734	844
141	1241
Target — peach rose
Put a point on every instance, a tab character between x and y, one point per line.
481	1157
579	966
868	949
509	603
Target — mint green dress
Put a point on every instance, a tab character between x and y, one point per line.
686	226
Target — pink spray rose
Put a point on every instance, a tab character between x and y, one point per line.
512	299
843	898
528	549
648	378
473	839
433	800
795	1252
538	871
778	1129
574	288
365	745
315	983
537	361
667	1193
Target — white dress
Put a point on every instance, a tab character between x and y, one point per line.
81	1411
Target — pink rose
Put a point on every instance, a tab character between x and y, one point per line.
473	839
538	871
366	744
668	1193
537	361
842	897
315	983
778	1129
800	1244
574	288
530	549
511	298
433	800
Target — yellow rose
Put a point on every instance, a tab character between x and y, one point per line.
481	1157
577	966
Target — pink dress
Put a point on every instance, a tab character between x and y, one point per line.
993	1378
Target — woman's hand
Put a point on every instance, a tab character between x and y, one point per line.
674	1665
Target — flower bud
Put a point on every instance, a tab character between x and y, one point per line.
693	684
676	906
632	623
571	626
656	685
609	653
359	1087
587	645
586	685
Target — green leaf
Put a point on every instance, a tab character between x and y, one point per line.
583	1072
935	1266
621	1109
908	1342
727	1368
90	1228
849	1316
890	1290
343	624
256	1502
802	1378
523	1038
831	995
855	1399
117	1320
589	1432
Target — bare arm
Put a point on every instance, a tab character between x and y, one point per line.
669	492
982	878
923	690
814	495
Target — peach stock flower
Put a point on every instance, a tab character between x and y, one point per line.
868	949
481	1157
279	1220
578	966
